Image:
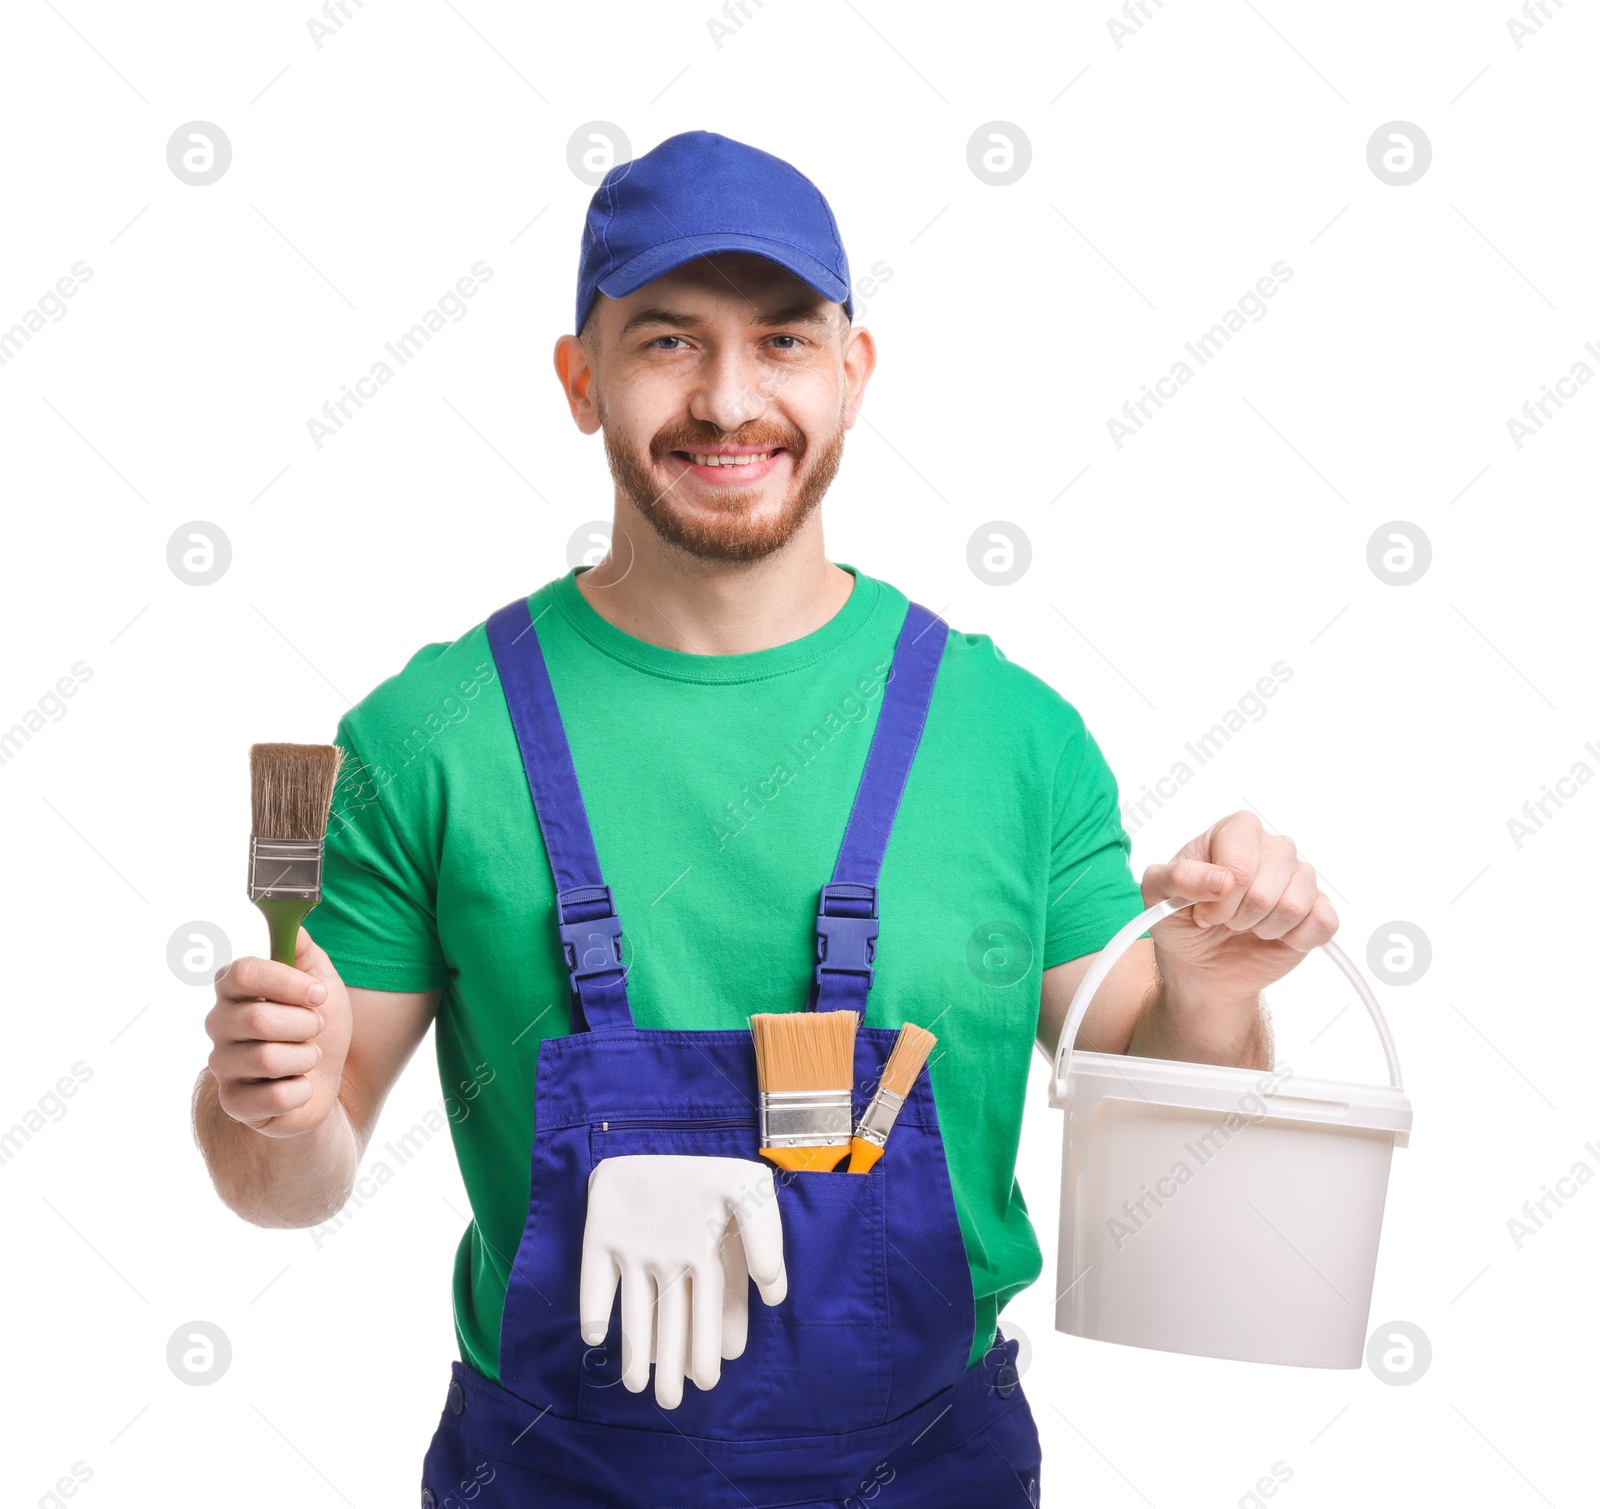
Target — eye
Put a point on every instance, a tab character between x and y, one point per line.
657	342
795	339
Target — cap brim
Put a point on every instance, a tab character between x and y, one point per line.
651	264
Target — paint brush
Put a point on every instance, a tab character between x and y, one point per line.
906	1059
291	795
805	1061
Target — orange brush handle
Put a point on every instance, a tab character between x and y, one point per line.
863	1155
822	1158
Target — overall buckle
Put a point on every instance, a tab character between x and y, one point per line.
593	945
846	943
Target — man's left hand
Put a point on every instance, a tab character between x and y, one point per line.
1258	912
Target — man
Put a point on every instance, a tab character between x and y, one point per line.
720	684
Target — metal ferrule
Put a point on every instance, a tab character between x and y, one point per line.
879	1117
285	869
804	1118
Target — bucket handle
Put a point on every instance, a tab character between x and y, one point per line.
1118	945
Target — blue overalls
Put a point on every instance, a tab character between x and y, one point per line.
856	1385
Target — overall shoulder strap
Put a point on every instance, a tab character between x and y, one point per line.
591	932
847	915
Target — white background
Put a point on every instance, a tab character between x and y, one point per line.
1167	575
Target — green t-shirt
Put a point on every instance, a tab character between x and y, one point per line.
718	787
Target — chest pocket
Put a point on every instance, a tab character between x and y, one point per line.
817	1362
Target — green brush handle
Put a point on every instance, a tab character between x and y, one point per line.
283	921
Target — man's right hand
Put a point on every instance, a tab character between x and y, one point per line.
281	1034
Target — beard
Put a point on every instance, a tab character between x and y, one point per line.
731	532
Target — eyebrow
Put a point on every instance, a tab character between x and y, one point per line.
794	314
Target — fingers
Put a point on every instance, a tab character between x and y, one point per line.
264	1055
250	979
1187	879
736	1294
262	1022
256	1103
311	959
1241	877
306	952
597	1289
638	1323
761	1231
251	1060
672	1327
265	1024
1263	876
1320	924
706	1295
1233	845
1293	904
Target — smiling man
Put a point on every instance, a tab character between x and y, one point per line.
717	774
716	498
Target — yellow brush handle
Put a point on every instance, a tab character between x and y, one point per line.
822	1158
863	1155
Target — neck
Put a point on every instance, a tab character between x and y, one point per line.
663	595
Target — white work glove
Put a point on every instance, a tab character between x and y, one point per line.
682	1234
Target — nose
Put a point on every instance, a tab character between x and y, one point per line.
731	391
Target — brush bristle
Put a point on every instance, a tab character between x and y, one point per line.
805	1050
291	789
910	1052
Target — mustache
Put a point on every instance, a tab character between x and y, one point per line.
701	437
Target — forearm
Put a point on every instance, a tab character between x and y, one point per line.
276	1181
1203	1030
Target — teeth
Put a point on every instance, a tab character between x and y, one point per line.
721	460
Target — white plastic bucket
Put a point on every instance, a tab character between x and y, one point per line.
1218	1211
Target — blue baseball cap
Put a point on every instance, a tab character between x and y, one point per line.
699	193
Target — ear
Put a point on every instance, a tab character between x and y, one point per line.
860	357
577	382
